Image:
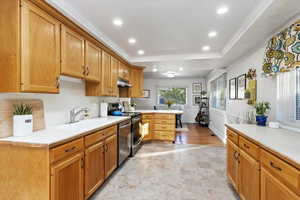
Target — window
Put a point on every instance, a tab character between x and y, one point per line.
218	92
176	95
298	95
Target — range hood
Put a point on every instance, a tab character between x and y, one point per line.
123	83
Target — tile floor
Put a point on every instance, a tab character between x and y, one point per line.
171	172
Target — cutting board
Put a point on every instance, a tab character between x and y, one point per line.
6	115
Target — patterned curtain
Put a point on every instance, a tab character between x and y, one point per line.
283	51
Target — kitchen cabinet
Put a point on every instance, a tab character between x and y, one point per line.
72	53
114	76
94	167
111	154
249	177
105	74
137	81
232	163
124	71
93	56
272	188
67	178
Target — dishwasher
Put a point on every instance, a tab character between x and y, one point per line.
124	140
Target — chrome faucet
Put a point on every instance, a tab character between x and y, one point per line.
75	111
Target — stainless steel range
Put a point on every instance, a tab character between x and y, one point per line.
137	137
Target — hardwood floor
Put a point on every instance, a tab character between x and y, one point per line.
197	135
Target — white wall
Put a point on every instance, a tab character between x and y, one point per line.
190	111
266	89
58	106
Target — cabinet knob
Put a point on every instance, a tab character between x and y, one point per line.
57	82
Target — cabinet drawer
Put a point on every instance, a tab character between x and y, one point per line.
164	135
164	127
66	150
286	173
164	121
232	136
249	147
165	116
99	135
147	116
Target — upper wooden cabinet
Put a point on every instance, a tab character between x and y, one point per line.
137	81
93	56
114	76
105	75
72	53
40	59
124	71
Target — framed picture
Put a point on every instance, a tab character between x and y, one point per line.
232	88
196	100
197	88
146	94
241	86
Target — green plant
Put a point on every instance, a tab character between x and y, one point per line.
169	103
22	109
262	108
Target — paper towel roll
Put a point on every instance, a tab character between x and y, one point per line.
103	109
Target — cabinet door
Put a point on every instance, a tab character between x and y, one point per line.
67	179
147	129
232	163
92	62
94	168
105	74
272	188
114	76
40	50
249	177
110	155
72	53
135	79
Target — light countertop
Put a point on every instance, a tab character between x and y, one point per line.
63	133
160	111
284	142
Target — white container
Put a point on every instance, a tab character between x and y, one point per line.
274	124
103	109
22	125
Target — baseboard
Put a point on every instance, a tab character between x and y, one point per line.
218	133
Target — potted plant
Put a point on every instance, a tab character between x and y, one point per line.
262	108
169	103
22	121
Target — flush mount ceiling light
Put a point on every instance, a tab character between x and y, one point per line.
206	48
155	69
141	52
170	74
118	22
181	69
212	34
222	10
132	41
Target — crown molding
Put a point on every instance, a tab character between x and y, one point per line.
250	20
78	19
180	57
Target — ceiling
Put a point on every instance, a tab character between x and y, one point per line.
173	32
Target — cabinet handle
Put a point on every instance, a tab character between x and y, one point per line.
275	167
82	163
106	148
84	69
69	150
236	155
246	146
87	71
57	82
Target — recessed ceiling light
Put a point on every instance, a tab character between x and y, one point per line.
206	48
141	52
222	10
155	70
170	74
212	34
180	69
118	22
132	41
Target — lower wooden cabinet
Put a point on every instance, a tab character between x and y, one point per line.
67	178
272	188
248	176
111	155
232	163
94	168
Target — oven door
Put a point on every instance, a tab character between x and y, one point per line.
137	136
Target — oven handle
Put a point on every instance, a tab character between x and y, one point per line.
134	120
125	126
